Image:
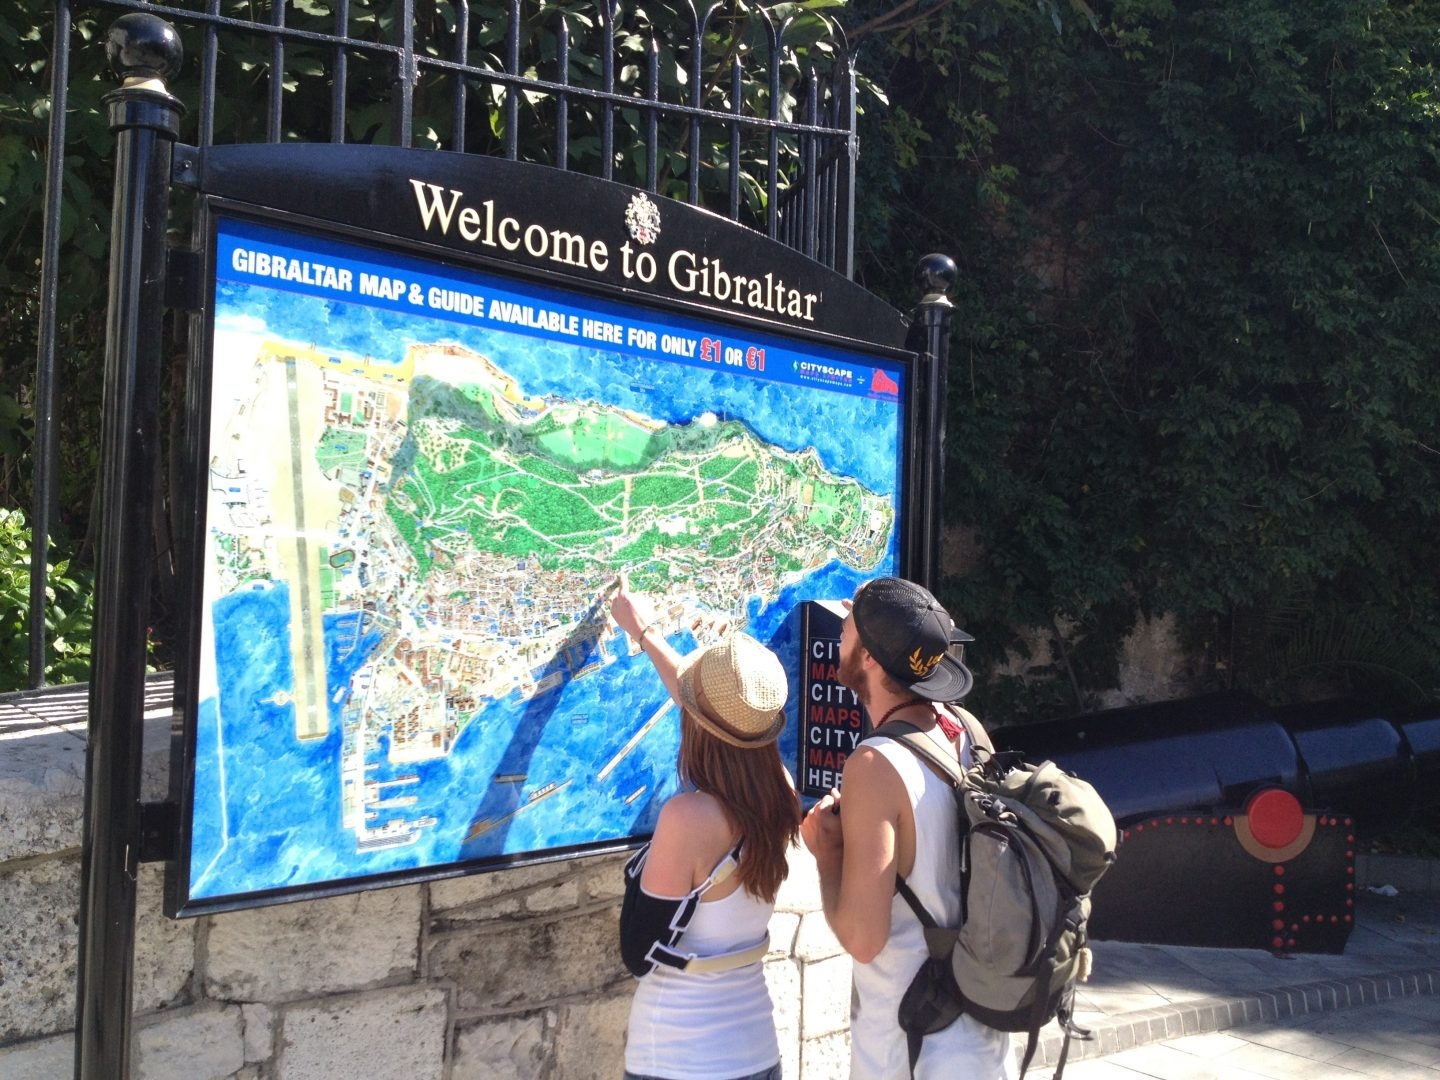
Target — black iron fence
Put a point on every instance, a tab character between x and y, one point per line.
747	113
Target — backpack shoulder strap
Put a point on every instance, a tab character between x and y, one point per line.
923	746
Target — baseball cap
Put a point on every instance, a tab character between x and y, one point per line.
912	637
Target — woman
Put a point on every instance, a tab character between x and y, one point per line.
699	896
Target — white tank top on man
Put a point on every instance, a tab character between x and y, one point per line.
967	1049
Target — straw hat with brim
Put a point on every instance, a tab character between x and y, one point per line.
735	690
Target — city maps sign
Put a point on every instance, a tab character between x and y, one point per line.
419	478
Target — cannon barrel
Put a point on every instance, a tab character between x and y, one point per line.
1239	822
1215	751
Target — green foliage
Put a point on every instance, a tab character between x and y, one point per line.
67	612
735	34
84	228
1192	368
1199	253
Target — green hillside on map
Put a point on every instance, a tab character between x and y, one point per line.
586	488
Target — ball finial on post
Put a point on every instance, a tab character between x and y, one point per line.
936	276
142	47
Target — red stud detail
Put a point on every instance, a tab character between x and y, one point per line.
1276	818
1155	824
1139	828
1350	839
1278	924
1277	942
1334	918
1350	886
1291	943
1348	822
1279	870
1349	869
1349	854
1169	821
1294	927
1279	890
1214	821
1279	905
1229	820
1349	918
1349	902
1305	918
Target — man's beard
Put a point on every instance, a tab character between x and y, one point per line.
851	675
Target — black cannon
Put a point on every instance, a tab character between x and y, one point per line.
1239	822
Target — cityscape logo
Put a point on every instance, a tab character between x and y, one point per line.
828	374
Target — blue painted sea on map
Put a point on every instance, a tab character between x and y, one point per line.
268	806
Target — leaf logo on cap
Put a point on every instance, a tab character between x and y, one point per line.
922	666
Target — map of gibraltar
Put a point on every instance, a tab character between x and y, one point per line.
410	552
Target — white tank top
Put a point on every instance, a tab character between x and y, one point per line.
878	1048
710	1026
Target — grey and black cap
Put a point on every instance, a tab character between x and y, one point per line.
912	637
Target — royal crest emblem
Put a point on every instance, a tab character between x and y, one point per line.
921	665
642	218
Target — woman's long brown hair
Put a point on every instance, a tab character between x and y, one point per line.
754	789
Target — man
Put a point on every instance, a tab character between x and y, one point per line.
902	655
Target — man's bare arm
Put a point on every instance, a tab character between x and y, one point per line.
857	860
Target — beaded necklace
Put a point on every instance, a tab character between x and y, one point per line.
948	727
896	708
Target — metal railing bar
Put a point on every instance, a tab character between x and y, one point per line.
807	166
459	99
735	104
209	63
652	94
607	80
47	436
562	103
698	25
512	99
341	77
407	75
277	75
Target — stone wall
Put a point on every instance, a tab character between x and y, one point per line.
512	974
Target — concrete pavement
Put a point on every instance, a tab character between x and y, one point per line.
1177	1013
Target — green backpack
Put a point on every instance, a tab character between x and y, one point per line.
1034	841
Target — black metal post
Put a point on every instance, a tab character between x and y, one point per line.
144	51
930	337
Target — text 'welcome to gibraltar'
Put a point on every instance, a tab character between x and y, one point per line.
702	276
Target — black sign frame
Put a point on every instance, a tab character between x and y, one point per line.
281	184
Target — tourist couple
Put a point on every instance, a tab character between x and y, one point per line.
699	895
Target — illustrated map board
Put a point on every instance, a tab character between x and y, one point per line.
422	482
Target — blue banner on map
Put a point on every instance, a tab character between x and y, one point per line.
255	254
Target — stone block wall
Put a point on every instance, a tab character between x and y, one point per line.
511	974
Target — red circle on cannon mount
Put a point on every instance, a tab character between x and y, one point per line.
1276	817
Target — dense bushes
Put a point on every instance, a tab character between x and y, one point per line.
1194	361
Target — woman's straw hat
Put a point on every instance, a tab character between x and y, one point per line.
735	690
